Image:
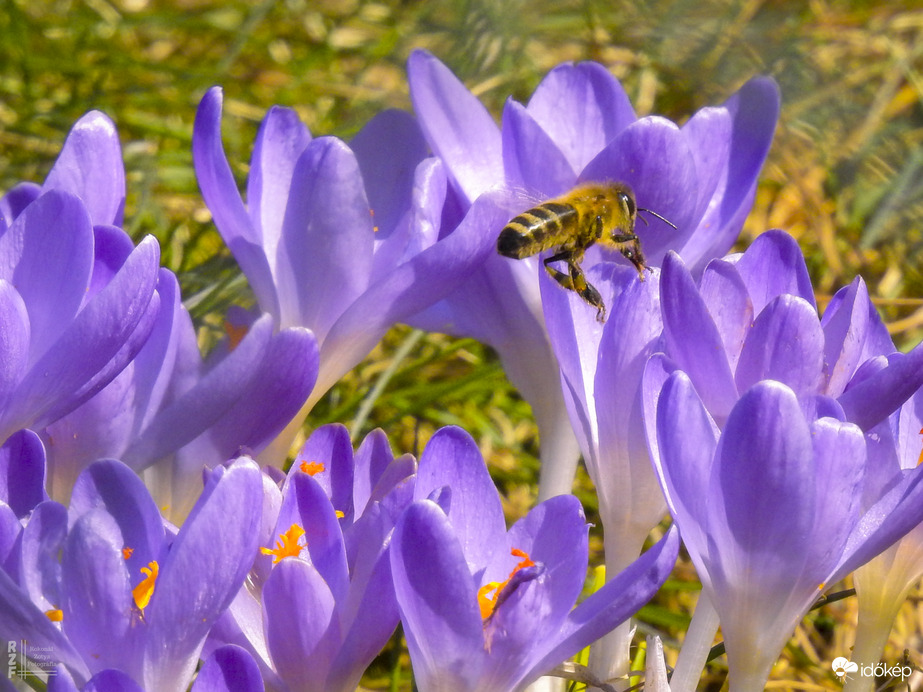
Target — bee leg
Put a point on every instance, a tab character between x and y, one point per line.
576	281
587	291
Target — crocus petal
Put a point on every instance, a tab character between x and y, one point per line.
370	615
774	265
273	392
330	212
840	461
307	505
48	255
90	167
452	459
525	144
614	603
786	344
14	341
457	126
301	628
553	534
16	199
598	109
438	601
93	342
229	669
873	399
628	340
725	296
388	150
96	590
844	336
20	619
112	486
112	681
330	445
703	357
765	470
441	268
219	189
754	111
202	406
22	472
281	140
687	438
652	155
202	572
42	540
897	512
372	459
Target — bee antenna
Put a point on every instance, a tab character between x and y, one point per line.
654	213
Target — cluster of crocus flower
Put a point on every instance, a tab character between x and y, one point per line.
142	547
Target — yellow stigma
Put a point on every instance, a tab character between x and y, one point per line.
126	552
55	615
287	545
145	589
487	594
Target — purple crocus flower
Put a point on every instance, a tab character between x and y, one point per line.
484	608
320	607
89	166
701	176
753	317
87	564
770	510
883	584
343	239
69	324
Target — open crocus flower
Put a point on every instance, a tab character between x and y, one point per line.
770	510
319	603
882	584
89	167
345	240
488	609
702	177
103	585
69	325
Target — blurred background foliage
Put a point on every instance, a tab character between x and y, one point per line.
843	176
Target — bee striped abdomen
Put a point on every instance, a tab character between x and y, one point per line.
535	230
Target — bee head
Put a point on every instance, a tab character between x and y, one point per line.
628	206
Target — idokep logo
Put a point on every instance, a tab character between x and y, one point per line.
842	667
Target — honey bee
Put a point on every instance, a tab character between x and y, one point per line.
603	213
